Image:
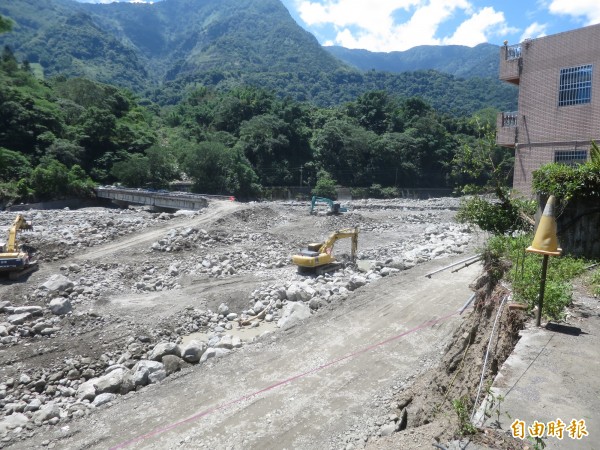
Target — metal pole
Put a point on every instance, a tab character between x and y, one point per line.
452	265
462	310
542	289
467	264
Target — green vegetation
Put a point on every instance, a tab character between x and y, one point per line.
5	25
484	168
208	122
525	273
461	408
458	60
567	182
325	186
165	50
235	142
594	282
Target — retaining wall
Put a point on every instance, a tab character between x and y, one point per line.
578	226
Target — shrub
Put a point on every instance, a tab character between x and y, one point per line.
494	216
525	274
567	182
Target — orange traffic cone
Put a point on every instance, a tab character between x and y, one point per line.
545	241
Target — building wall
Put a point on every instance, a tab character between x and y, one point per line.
543	126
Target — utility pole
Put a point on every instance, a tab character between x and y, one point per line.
301	176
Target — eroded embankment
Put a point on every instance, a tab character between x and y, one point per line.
440	403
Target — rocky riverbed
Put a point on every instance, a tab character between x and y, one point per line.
124	298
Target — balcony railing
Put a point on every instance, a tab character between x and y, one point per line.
510	119
513	52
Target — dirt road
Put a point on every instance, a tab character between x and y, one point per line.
324	384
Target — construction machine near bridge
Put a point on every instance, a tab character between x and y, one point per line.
318	258
13	259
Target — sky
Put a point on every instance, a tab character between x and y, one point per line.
397	25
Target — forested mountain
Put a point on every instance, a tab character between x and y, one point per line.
163	50
458	60
164	40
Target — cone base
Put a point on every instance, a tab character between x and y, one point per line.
530	249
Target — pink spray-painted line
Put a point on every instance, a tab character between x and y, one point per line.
209	411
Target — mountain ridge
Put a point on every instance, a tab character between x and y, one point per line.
159	49
461	61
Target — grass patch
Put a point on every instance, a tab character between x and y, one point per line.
594	282
526	270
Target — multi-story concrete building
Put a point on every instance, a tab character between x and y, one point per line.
559	101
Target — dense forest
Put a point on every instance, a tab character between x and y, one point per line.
318	124
60	136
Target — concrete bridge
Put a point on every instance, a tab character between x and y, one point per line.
158	200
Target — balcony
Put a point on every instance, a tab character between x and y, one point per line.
511	61
507	128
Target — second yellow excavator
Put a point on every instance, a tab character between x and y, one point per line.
318	257
12	258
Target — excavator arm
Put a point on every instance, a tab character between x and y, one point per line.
327	247
19	224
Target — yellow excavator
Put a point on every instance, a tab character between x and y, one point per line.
318	257
12	258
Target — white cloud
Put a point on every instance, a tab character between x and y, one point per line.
588	9
116	1
535	30
479	28
374	25
371	16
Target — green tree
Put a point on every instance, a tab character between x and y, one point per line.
65	151
13	165
162	166
325	186
133	171
489	165
217	169
374	111
264	141
5	25
50	179
343	149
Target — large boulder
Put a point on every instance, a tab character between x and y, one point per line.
60	306
57	283
87	390
155	371
214	353
111	382
166	348
172	364
292	293
11	422
102	399
46	412
355	282
193	351
293	313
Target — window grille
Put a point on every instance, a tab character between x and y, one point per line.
575	85
570	157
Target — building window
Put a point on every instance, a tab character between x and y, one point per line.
575	85
570	157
